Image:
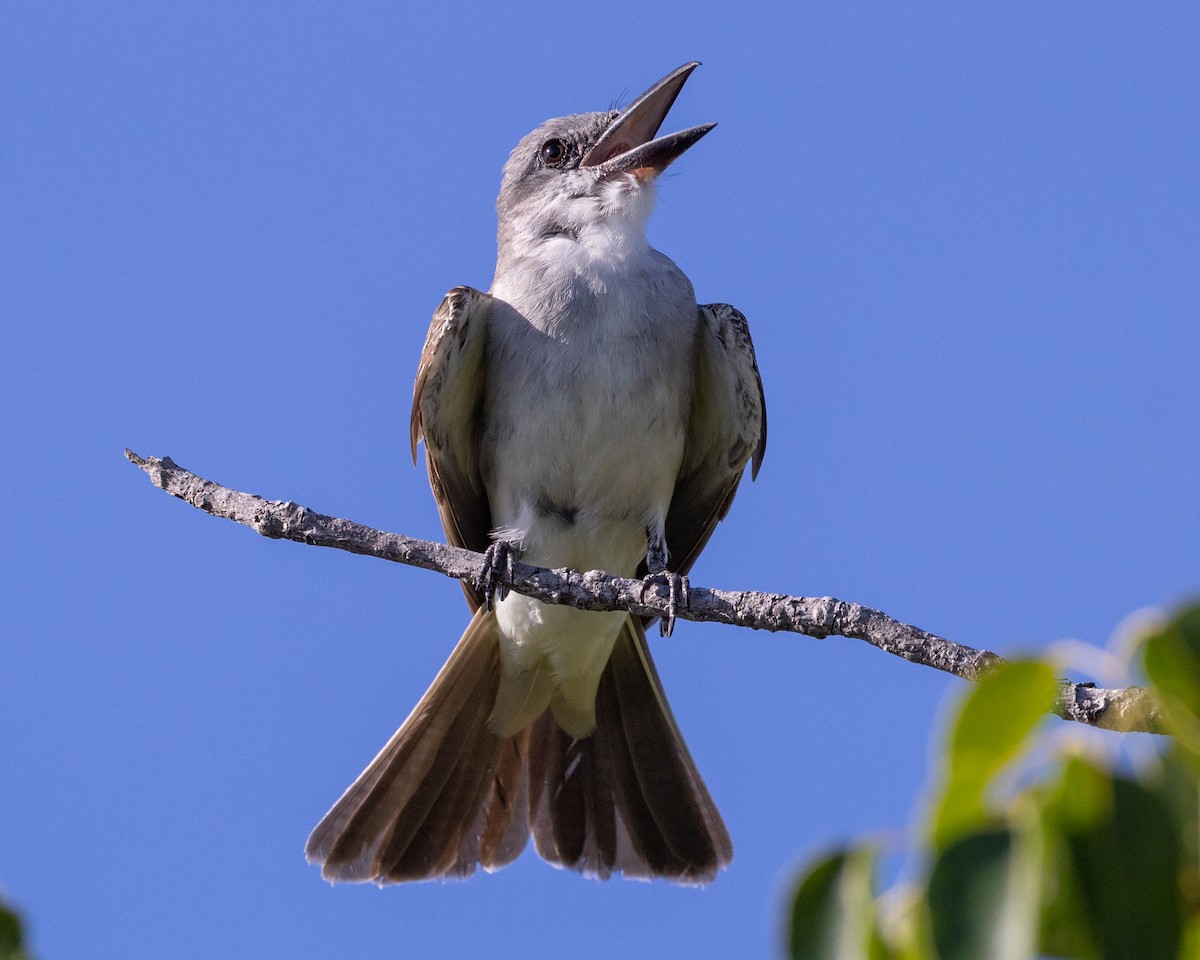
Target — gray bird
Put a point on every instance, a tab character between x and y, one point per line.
583	413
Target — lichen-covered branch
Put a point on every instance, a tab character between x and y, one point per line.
1131	709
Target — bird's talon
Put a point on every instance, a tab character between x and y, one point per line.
677	590
498	569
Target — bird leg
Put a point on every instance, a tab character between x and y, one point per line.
498	560
676	584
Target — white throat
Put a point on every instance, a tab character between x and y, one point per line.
576	241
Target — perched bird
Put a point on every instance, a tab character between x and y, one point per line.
583	413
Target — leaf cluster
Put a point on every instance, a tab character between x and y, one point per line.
1028	848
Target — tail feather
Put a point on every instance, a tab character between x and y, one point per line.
425	841
388	823
683	827
503	829
572	805
628	799
446	795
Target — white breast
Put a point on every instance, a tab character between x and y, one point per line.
587	403
588	394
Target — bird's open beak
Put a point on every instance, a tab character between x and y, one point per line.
626	146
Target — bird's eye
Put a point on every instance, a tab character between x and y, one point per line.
554	153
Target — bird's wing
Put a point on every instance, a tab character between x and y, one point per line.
447	401
727	428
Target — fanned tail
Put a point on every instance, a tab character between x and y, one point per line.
445	795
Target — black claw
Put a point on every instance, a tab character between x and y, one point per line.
677	590
498	569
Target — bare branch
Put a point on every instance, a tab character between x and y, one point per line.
1132	709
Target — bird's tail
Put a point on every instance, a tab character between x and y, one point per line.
446	795
628	798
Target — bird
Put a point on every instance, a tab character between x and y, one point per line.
586	412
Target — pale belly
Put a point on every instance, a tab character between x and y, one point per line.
583	447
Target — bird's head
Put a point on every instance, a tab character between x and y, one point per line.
590	175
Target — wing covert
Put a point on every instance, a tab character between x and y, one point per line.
727	428
446	411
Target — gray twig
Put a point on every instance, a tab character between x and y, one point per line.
1132	709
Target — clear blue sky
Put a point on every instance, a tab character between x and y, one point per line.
967	238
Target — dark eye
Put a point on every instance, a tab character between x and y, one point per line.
554	153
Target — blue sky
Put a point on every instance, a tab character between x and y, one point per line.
967	238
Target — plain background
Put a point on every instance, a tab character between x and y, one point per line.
967	237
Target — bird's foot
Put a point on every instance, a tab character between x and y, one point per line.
677	596
498	560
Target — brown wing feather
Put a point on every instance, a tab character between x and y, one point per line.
447	397
726	430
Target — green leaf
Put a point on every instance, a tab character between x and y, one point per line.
1191	938
993	725
1127	867
833	916
1084	795
1181	793
10	936
1080	799
1172	659
983	898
